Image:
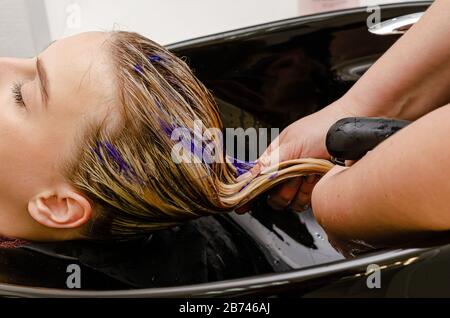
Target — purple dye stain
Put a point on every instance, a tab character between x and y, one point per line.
154	58
194	147
97	152
158	104
242	166
166	127
273	175
138	69
191	141
115	155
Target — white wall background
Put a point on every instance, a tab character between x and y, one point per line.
27	26
168	21
23	27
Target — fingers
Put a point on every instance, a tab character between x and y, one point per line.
283	194
251	173
295	192
278	154
302	199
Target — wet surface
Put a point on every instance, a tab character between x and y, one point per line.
207	249
204	250
288	221
292	240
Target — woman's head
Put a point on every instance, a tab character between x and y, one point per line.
137	183
88	151
94	137
45	104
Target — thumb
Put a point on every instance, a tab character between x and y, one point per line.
253	172
284	152
267	159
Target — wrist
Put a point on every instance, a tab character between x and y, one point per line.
364	106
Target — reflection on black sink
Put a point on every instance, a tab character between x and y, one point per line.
204	250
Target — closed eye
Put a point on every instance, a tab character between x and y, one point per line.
17	93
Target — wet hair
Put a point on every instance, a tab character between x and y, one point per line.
129	172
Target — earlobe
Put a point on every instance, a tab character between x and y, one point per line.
61	208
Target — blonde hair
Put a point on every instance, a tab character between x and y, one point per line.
129	174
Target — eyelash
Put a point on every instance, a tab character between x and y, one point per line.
17	93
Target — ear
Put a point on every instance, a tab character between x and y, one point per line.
61	208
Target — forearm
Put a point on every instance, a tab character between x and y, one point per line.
413	76
401	187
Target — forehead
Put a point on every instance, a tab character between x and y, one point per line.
79	54
79	70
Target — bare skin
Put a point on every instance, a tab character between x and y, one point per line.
396	191
40	134
401	187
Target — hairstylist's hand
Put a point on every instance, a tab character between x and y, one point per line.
303	138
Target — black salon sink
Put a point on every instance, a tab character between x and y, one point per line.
263	76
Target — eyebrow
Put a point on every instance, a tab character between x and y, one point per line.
43	80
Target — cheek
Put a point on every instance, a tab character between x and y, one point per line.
20	168
31	146
23	160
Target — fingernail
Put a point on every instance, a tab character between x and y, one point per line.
300	208
305	207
